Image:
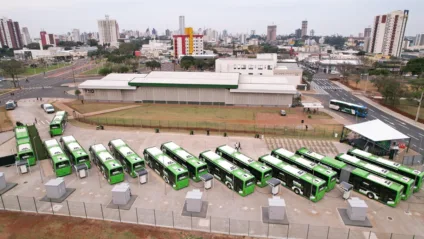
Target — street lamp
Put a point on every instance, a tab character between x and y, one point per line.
36	158
366	82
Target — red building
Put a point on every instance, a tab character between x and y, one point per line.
43	36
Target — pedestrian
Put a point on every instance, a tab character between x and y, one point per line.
82	101
35	120
239	145
306	127
235	146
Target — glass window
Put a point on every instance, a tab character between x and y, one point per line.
269	67
250	67
115	171
182	176
260	67
243	67
62	164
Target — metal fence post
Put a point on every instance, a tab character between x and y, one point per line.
101	209
288	230
348	234
154	215
69	210
51	204
391	235
35	204
85	210
369	236
210	224
19	203
136	214
248	227
173	223
307	232
328	232
119	213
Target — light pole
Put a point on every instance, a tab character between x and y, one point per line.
366	81
36	158
419	106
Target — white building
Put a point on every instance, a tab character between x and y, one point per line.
262	65
76	35
388	33
253	42
419	40
155	48
26	38
182	25
108	32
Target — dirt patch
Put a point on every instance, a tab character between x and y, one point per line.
26	225
88	107
5	122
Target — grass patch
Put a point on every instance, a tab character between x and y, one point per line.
410	107
33	71
5	122
93	71
5	91
89	107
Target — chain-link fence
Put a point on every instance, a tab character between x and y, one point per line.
173	219
413	160
302	130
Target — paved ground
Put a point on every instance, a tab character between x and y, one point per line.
329	90
223	203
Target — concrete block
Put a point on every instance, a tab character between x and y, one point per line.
194	200
277	208
121	194
357	209
55	188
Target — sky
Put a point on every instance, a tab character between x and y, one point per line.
326	17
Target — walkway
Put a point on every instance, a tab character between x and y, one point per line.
324	147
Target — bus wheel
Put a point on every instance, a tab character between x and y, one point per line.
149	163
229	185
166	179
370	196
297	191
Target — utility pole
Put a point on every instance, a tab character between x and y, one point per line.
419	106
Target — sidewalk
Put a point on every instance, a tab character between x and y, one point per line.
62	106
390	112
111	110
342	86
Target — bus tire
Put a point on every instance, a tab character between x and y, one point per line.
370	195
149	163
166	179
229	185
297	191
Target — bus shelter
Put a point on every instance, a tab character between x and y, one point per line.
375	137
312	107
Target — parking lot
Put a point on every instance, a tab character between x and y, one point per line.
223	203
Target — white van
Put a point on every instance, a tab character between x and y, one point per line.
48	108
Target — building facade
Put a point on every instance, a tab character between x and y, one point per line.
419	40
10	34
388	33
304	28
367	32
108	31
182	25
312	33
43	38
26	38
76	35
188	44
271	33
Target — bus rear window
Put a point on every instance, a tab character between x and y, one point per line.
182	176
25	156
334	178
62	164
250	182
269	174
115	171
54	126
138	165
322	187
83	159
203	168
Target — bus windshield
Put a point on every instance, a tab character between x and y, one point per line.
54	126
182	176
25	156
322	187
115	171
83	159
202	168
362	110
138	165
250	182
62	164
268	174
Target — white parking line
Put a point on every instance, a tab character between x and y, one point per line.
404	126
343	98
384	116
42	122
414	145
412	137
422	135
421	148
390	122
371	110
373	116
400	122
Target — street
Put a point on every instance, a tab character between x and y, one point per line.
327	90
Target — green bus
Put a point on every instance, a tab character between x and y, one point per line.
173	173
195	167
297	180
325	161
110	167
58	123
75	151
390	165
133	164
375	187
407	183
261	172
60	162
232	176
24	150
328	175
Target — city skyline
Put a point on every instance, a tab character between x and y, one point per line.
46	14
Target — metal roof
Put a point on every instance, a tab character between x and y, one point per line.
106	85
376	130
254	79
265	89
122	77
188	79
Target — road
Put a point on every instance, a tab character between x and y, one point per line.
48	85
328	90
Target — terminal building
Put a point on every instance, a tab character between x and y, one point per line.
200	88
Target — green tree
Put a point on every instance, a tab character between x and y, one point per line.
6	52
392	90
12	68
379	81
77	93
123	69
92	42
200	64
34	46
335	40
133	64
415	66
105	71
153	64
187	62
127	48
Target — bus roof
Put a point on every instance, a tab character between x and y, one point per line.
76	149
284	152
374	178
57	119
384	161
271	159
117	142
23	141
347	103
327	160
61	112
98	148
51	142
227	166
21	132
55	152
154	151
167	162
171	145
302	174
68	139
129	154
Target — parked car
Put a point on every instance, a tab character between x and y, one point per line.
11	105
48	108
283	113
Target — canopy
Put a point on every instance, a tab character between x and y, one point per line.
313	105
376	130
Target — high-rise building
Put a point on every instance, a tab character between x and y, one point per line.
43	38
312	33
51	40
108	31
367	32
26	38
419	40
224	33
167	33
388	33
304	28
298	33
243	38
271	33
360	35
182	25
154	33
188	44
76	35
10	34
